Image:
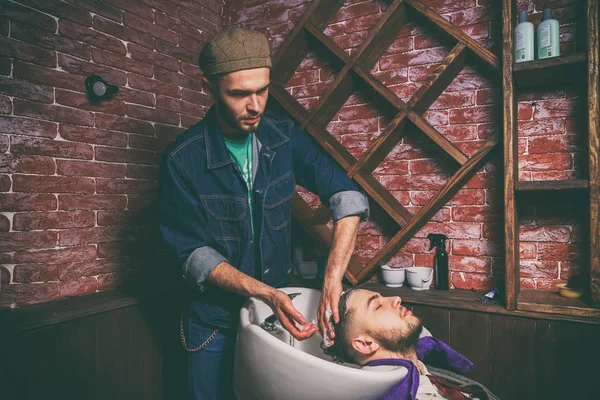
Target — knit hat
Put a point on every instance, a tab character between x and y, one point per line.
234	49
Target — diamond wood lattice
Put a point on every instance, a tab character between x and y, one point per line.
355	73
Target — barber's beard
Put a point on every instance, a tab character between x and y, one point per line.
228	116
399	341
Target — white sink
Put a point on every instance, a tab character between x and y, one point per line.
273	365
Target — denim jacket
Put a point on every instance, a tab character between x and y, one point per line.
204	215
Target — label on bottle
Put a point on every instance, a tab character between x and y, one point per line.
545	39
520	45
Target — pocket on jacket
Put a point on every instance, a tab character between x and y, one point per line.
226	216
278	202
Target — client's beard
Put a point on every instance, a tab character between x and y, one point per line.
397	341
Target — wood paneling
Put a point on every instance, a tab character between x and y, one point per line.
470	335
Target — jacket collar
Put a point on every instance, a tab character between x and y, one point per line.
268	133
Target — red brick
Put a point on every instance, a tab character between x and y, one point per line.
527	251
475	214
12	163
191	70
81	101
168	131
452	230
475	248
443	215
525	111
91	202
56	256
197	98
423	182
26	90
436	118
153	30
152	57
154	86
81	236
470	82
12	202
127	217
5	66
21	294
78	287
553	144
355	10
135	7
489	96
52	148
173	77
140	201
26	126
146	113
4	223
5	183
476	114
419	57
87	168
91	268
135	96
148	143
400	260
426	167
90	135
116	123
52	112
25	273
45	76
193	45
458	132
16	12
558	252
200	18
171	56
400	45
124	155
83	68
62	10
453	100
50	40
469	16
470	264
4	276
181	106
557	108
542	127
557	234
167	21
19	241
124	63
100	7
115	280
538	269
90	36
5	105
416	245
392	167
114	186
545	162
23	51
465	280
52	184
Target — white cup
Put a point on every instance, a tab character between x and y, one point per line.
419	278
393	277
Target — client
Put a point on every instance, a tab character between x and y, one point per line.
379	332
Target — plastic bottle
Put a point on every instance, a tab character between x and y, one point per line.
440	263
523	41
547	36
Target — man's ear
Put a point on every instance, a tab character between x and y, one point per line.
207	86
365	345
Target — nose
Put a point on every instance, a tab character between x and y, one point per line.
396	301
253	104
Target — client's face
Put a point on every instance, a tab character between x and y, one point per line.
385	319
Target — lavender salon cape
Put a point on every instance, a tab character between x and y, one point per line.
431	351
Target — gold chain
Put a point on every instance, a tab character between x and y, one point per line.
184	343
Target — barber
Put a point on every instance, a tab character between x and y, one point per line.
225	192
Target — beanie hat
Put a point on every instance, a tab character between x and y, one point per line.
234	49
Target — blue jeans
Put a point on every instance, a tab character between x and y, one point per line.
210	370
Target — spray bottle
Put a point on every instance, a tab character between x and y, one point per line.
440	266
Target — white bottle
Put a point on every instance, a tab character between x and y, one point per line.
548	36
523	41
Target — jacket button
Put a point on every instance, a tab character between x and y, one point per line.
267	270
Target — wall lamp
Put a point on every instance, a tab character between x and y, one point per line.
98	89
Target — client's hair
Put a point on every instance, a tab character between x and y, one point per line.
341	350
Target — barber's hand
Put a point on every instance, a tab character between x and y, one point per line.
330	298
291	319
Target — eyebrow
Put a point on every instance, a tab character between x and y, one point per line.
374	297
241	91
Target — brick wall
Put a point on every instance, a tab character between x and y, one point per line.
468	112
78	181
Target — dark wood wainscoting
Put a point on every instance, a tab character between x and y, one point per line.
118	346
127	352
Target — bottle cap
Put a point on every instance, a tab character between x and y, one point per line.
522	16
547	14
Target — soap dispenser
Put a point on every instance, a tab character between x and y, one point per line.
440	267
547	36
523	41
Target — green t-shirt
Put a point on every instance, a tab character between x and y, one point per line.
241	152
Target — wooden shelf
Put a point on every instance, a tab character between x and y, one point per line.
550	302
527	186
550	71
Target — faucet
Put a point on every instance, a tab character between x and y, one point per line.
271	322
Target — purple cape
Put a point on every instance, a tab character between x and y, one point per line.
431	351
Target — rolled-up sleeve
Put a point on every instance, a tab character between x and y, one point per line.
183	224
347	203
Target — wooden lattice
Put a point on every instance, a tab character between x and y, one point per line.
355	72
